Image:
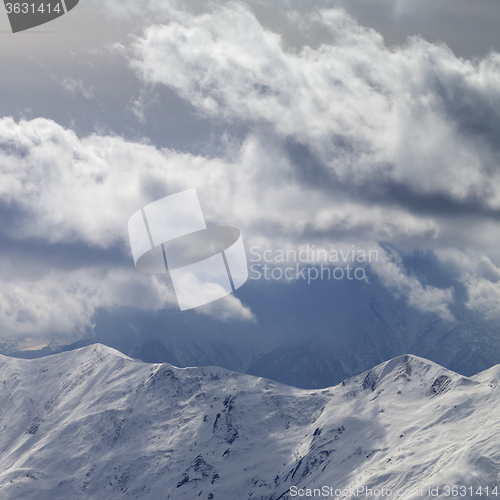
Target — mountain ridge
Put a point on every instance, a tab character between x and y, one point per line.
93	424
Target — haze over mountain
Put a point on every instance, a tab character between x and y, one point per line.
94	424
362	330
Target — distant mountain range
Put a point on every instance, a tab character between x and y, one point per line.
386	329
467	346
94	424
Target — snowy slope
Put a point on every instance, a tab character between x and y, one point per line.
94	424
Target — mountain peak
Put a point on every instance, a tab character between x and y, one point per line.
103	350
409	373
491	375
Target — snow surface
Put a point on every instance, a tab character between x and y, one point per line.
94	424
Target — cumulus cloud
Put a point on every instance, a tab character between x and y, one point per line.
79	190
483	296
390	270
60	189
66	301
63	301
479	276
413	115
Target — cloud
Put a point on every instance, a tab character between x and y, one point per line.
57	189
66	301
73	87
82	190
428	299
480	277
349	142
414	115
483	296
65	190
385	144
227	309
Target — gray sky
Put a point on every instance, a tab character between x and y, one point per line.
300	123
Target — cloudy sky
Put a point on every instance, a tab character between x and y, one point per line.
344	125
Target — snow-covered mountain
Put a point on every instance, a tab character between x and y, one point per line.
94	424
